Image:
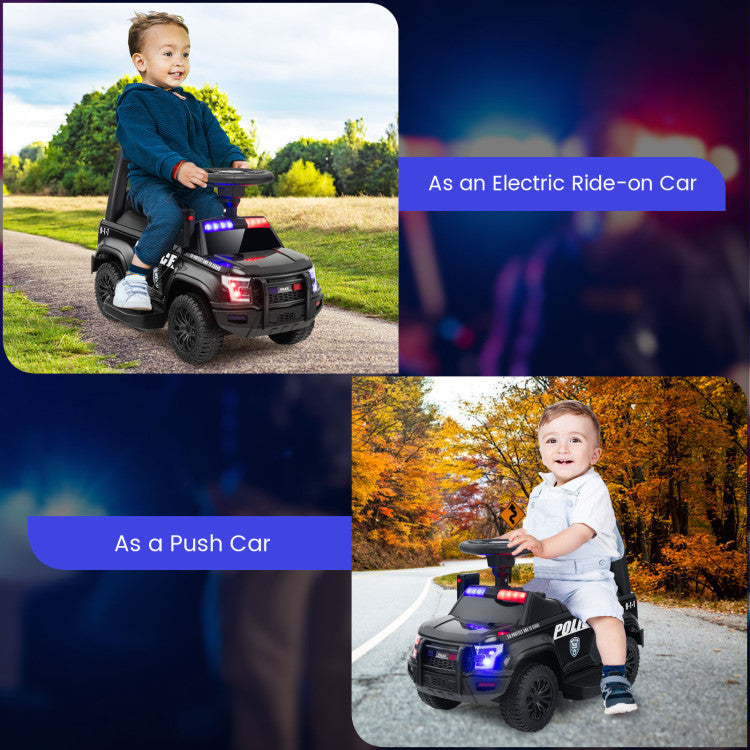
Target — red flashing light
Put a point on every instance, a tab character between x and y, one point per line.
296	287
510	595
257	222
191	217
452	657
503	632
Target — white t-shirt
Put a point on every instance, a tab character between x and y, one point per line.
591	505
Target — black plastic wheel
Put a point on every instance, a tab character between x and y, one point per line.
529	702
632	659
444	704
292	337
105	281
192	329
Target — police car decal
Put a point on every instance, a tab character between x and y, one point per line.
566	628
574	646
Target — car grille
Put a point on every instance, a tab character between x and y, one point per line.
283	297
439	682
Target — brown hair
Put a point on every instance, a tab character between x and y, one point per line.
144	21
553	411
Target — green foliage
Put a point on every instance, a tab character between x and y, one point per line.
218	102
303	179
320	153
358	166
33	151
79	158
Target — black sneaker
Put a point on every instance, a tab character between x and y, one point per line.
616	695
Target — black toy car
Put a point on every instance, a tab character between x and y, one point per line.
512	647
223	275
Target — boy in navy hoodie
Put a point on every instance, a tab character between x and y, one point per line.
169	138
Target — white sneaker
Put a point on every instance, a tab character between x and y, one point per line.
131	293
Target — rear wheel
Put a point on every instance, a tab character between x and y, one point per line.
105	281
292	337
529	702
444	704
193	331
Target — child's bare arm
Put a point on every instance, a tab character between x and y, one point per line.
566	541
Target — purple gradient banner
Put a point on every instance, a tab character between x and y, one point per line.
192	542
559	184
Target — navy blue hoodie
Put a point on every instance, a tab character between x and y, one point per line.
158	129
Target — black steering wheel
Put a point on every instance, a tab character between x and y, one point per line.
233	176
488	547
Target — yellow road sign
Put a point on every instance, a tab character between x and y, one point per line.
512	515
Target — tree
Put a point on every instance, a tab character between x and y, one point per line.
396	472
33	151
80	156
303	179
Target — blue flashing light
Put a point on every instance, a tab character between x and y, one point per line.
486	658
218	226
215	259
475	590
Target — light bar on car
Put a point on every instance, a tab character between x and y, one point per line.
511	595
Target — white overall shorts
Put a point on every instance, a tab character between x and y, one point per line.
581	580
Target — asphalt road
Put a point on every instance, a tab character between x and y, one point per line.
691	688
58	274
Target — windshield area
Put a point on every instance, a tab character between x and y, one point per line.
478	609
240	241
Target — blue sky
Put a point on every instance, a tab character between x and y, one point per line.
298	69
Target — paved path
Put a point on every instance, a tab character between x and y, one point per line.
58	274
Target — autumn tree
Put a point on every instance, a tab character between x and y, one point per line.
395	474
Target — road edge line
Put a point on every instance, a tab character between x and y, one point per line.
388	629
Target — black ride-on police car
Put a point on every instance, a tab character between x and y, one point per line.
225	275
511	647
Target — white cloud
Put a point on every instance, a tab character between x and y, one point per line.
306	65
25	123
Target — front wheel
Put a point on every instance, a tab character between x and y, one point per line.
105	281
529	702
192	329
444	704
292	337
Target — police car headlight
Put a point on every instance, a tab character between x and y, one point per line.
237	288
314	280
486	658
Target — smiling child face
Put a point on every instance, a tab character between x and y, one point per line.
569	446
164	58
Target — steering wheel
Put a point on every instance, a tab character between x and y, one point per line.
488	547
232	176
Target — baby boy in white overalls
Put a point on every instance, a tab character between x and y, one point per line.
570	529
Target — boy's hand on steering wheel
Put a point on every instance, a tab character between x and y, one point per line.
191	175
522	540
240	165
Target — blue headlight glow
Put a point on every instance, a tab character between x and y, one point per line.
475	590
314	280
486	658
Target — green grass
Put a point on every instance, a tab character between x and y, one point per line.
519	575
358	270
35	342
80	227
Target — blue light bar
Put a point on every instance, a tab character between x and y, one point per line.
475	590
218	226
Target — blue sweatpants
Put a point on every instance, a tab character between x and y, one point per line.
163	206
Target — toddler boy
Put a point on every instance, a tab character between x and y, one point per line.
570	529
169	138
